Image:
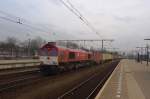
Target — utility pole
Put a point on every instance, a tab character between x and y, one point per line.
147	51
138	57
147	54
110	40
29	46
102	45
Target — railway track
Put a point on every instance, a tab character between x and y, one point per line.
87	89
90	87
10	80
16	83
6	72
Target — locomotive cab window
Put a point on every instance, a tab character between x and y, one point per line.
48	52
72	55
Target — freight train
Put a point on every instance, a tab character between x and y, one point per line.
55	59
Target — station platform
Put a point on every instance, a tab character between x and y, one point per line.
130	80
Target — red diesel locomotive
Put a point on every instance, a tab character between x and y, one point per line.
56	59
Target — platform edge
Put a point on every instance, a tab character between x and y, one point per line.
100	92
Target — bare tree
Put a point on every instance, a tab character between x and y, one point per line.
35	44
12	47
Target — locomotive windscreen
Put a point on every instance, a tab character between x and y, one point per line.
53	52
48	52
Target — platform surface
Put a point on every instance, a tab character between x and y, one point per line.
130	80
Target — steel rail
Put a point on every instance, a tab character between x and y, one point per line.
102	81
86	81
76	87
15	83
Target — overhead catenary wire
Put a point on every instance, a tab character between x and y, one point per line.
18	20
14	19
82	17
70	9
75	11
8	15
8	19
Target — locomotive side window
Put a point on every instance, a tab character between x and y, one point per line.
72	55
89	56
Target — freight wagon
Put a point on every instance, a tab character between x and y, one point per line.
107	57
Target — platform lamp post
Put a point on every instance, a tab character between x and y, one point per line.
147	51
139	56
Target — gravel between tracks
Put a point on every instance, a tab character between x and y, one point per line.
53	86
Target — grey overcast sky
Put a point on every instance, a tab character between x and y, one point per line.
126	21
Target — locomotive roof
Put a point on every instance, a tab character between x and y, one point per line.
71	49
64	48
